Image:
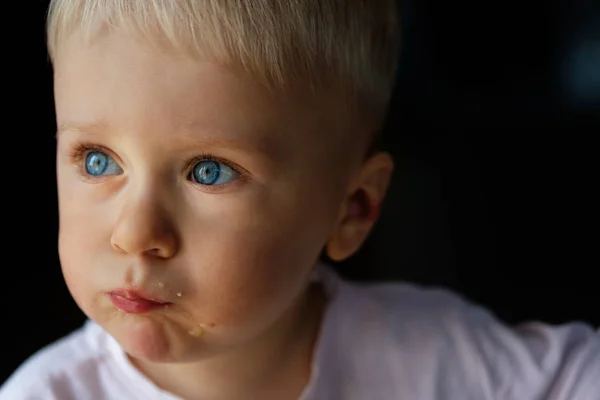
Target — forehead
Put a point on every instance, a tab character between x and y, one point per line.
118	80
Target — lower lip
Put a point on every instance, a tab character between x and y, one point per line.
136	305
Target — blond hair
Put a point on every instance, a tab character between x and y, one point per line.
351	44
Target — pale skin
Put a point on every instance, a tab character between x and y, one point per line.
234	259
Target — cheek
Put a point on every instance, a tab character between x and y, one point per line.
245	291
86	219
253	264
82	243
74	261
71	260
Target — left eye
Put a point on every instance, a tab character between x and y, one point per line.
210	172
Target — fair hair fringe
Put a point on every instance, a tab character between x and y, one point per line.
348	43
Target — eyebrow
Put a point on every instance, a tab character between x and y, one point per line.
89	128
96	128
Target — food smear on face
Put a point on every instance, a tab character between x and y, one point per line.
197	332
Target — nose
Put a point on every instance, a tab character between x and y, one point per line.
144	228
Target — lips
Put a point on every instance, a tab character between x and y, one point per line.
135	302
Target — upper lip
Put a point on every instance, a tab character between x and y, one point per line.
138	294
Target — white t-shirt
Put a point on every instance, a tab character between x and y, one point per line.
377	342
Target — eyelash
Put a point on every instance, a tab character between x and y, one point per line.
81	150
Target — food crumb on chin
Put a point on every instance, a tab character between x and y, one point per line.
197	332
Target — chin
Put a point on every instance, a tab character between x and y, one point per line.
143	338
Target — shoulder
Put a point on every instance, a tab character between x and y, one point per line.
409	312
435	329
59	369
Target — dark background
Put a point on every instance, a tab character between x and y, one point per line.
494	127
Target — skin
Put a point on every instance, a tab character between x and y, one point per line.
233	259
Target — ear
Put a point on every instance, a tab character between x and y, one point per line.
360	209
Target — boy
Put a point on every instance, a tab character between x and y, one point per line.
208	151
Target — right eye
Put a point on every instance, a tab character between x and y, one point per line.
98	163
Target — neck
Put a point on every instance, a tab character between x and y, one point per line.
277	365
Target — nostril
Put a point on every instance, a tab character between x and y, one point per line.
118	248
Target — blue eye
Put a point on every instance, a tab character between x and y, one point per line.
98	163
210	172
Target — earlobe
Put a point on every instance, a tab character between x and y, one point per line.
361	207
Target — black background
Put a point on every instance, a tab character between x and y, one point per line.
494	128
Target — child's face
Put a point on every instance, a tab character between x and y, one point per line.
184	180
